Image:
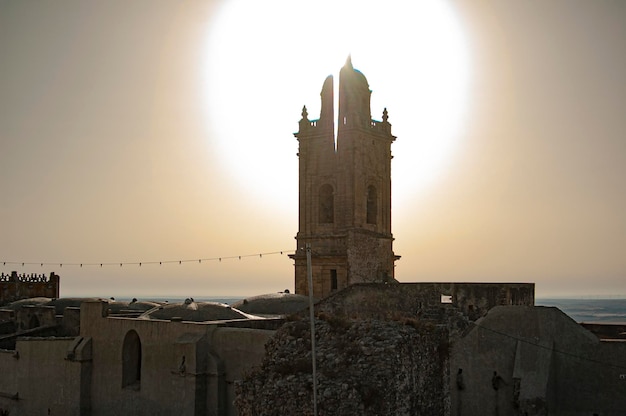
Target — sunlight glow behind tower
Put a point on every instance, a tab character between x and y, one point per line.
265	60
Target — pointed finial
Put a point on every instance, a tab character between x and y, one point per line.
349	62
305	114
385	115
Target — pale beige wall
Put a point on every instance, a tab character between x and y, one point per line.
8	380
560	365
241	350
215	357
42	377
162	388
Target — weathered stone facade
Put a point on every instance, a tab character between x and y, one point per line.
345	191
364	367
383	349
16	286
422	300
397	349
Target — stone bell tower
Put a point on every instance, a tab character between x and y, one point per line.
345	191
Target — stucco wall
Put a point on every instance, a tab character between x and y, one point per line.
160	385
186	368
42	378
8	381
548	364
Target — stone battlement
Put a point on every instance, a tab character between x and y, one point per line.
16	286
25	277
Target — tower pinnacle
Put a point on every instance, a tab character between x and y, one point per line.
345	191
348	63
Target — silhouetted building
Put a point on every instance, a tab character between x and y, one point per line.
345	191
16	286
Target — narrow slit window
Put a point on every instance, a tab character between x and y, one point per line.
333	279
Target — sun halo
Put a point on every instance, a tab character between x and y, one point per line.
265	60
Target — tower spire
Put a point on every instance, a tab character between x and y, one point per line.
349	62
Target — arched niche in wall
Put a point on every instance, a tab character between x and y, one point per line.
372	205
131	360
326	204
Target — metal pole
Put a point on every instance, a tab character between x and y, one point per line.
309	273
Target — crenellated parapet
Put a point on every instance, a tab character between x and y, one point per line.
25	277
16	286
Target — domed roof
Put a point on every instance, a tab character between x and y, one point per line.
353	76
141	305
281	303
26	302
195	311
61	303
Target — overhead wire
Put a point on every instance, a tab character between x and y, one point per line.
141	263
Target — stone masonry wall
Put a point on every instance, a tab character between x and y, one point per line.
364	367
370	257
16	286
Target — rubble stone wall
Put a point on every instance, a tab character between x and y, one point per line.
364	367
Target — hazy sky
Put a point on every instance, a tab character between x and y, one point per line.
130	132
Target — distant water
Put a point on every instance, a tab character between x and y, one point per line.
590	310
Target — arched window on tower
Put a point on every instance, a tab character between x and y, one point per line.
131	361
372	205
327	204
